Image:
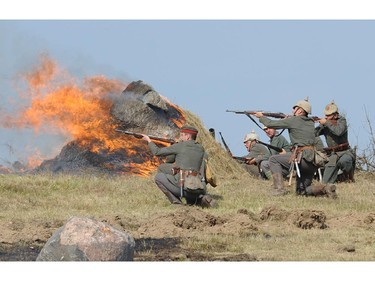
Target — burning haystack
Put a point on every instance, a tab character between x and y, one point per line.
138	109
89	114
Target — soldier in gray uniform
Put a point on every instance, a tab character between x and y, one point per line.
302	136
277	140
255	155
335	130
185	165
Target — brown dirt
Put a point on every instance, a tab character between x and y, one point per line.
160	237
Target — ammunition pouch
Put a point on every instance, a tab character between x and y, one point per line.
320	158
297	153
175	170
191	181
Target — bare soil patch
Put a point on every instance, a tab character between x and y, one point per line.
161	237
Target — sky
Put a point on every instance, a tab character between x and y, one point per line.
205	56
206	66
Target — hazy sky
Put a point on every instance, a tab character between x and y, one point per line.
204	66
207	66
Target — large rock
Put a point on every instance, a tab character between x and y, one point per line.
86	239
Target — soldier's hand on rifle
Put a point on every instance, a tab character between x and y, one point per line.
146	138
251	161
322	121
283	151
258	114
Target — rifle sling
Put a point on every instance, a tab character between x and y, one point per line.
252	119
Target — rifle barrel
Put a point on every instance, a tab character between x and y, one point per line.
225	145
265	113
137	135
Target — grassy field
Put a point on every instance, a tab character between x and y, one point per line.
247	225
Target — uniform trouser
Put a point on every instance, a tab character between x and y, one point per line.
173	192
280	164
265	169
344	163
251	169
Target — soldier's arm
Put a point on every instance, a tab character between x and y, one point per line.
337	127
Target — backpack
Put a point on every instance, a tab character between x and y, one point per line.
209	176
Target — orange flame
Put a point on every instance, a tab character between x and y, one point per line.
177	122
80	112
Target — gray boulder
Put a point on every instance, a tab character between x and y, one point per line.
86	239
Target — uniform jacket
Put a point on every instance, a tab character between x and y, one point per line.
188	155
257	151
335	133
278	141
300	129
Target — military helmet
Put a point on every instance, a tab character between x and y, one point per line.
331	108
250	137
304	104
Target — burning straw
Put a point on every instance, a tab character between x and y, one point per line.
88	114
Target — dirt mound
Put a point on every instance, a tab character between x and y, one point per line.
162	236
305	219
36	232
187	220
366	220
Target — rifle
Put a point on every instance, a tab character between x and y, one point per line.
242	159
267	114
278	115
278	149
225	145
139	136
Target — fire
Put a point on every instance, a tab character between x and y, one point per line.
178	121
60	105
143	169
35	159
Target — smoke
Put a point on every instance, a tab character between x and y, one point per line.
48	108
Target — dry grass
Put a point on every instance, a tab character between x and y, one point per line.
241	231
30	199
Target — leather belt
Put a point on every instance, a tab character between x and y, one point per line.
176	170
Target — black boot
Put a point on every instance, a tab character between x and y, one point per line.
300	187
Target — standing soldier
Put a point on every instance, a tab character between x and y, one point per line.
335	130
187	171
301	133
277	140
255	155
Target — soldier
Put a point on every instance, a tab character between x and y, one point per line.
301	133
255	155
187	171
335	130
277	140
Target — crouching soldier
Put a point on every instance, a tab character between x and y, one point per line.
341	157
186	177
